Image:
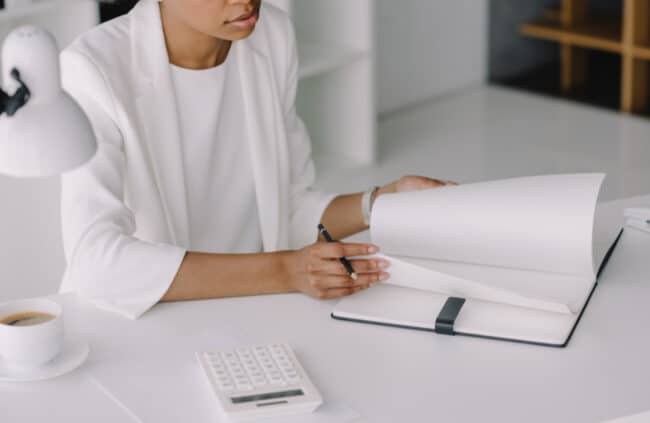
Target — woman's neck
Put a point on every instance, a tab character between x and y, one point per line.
191	49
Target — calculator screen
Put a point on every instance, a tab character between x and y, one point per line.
271	395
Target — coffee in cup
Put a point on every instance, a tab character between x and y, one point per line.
28	318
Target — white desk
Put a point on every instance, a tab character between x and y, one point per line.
385	374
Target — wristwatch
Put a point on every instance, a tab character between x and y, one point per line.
367	201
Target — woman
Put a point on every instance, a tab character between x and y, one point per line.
202	180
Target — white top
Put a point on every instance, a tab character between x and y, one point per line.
222	209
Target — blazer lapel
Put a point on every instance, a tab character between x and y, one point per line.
263	125
158	116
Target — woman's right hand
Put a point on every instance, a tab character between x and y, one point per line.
317	271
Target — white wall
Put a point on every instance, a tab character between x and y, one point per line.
31	256
428	47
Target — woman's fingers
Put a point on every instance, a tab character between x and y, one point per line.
434	183
335	267
326	282
343	249
415	183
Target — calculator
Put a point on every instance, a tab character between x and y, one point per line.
259	381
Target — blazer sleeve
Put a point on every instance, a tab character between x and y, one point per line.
307	204
106	264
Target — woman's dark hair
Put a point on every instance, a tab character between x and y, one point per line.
112	9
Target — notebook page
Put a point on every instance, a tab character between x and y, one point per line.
440	248
542	223
408	274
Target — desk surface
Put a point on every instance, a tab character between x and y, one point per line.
145	370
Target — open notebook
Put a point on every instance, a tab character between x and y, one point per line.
524	254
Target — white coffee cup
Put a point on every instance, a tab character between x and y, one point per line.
32	346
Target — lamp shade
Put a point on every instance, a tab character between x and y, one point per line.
50	134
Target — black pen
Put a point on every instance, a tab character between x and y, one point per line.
343	260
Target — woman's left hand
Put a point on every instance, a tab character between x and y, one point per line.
413	183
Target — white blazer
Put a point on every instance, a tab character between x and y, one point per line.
124	215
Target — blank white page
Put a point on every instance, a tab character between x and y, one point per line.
542	223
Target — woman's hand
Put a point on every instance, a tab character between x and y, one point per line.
317	271
413	183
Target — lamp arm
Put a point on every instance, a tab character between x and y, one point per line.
10	104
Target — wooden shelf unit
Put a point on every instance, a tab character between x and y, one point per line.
575	29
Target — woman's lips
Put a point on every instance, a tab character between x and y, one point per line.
245	21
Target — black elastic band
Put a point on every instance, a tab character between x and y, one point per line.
448	314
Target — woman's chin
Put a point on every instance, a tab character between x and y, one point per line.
234	35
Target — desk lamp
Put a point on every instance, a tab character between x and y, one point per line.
43	131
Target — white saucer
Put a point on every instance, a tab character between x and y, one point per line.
73	355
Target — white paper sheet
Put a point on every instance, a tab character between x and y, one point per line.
411	275
524	241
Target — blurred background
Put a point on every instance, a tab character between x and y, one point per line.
468	90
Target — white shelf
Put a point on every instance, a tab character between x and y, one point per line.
317	58
336	95
34	8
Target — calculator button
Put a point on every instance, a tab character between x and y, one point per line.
277	349
243	385
277	381
225	382
292	377
253	369
245	357
285	366
259	381
220	373
284	363
275	376
255	373
225	385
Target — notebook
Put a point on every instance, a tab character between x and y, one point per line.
514	259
